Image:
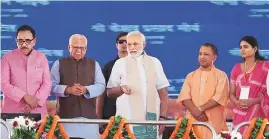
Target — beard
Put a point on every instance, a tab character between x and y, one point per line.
206	65
137	54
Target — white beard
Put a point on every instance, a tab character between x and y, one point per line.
137	54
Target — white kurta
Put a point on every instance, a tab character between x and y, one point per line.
118	78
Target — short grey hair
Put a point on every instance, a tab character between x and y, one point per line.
77	36
134	33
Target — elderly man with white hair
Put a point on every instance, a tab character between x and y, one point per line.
77	81
140	86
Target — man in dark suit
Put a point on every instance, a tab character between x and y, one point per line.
106	107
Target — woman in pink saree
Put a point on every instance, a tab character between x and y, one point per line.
249	77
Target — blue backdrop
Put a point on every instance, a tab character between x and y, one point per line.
174	30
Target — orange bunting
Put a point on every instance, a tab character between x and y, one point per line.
118	134
188	129
50	134
252	125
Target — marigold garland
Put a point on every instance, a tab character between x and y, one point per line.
266	132
187	129
41	127
109	125
173	135
253	127
196	132
131	135
50	134
250	127
260	133
53	126
62	131
118	133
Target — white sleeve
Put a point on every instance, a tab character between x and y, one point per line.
117	74
162	81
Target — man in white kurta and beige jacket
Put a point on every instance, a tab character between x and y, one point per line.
140	85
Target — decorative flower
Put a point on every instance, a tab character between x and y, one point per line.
117	129
50	128
23	127
236	135
26	122
225	135
229	135
15	124
44	135
184	129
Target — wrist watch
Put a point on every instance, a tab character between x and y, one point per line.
163	117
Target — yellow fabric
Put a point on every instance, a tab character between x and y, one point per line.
215	86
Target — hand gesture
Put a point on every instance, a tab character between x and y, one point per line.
82	89
195	112
161	127
125	89
74	90
27	108
202	118
32	101
243	104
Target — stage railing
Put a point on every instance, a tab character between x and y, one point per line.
5	124
236	128
168	122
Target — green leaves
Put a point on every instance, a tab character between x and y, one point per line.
266	133
182	128
192	135
256	128
125	134
114	128
23	134
48	126
117	119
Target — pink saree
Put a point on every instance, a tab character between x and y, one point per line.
257	83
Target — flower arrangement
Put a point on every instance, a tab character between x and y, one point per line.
50	129
184	129
224	135
229	135
24	128
256	129
117	129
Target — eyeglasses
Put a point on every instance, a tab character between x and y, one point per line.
21	41
77	47
121	41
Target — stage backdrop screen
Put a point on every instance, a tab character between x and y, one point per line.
174	30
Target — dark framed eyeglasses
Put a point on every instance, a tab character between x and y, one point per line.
77	47
121	41
21	41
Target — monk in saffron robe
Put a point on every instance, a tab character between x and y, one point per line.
205	92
